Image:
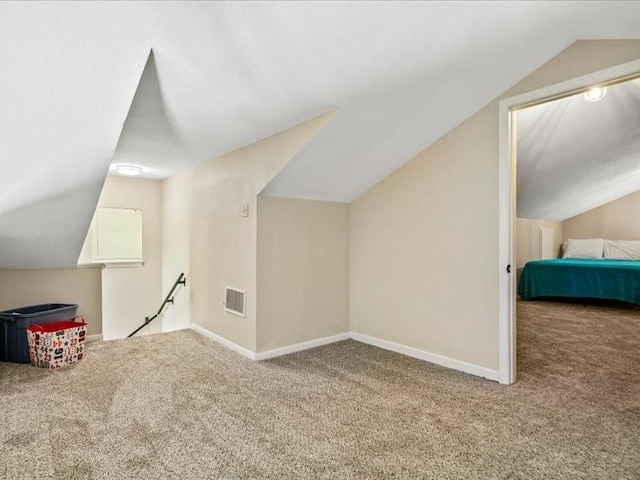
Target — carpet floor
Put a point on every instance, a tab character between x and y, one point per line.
177	405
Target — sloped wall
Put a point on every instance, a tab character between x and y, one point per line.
617	220
219	246
424	241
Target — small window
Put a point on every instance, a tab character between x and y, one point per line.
117	235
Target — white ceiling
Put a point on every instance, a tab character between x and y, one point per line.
574	155
226	74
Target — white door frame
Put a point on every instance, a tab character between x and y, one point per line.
507	193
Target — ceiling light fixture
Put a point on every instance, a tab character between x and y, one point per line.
595	94
130	170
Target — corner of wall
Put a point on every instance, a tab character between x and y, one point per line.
302	271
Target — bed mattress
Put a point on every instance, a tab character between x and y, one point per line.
581	278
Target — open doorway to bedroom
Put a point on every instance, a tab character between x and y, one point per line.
577	245
570	186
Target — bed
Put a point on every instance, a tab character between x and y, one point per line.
581	278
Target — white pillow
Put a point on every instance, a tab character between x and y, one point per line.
584	248
622	249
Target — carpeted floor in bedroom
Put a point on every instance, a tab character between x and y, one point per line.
180	406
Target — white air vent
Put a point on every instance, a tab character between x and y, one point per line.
234	301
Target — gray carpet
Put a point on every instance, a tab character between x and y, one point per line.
179	406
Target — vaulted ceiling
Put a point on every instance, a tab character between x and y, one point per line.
575	155
226	74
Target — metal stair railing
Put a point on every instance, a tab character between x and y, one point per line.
169	299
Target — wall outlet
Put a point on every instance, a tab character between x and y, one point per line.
244	210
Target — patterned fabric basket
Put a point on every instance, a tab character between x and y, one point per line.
57	344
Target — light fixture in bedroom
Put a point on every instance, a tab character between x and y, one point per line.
129	170
595	94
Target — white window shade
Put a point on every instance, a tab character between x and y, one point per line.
117	235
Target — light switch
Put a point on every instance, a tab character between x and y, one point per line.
245	210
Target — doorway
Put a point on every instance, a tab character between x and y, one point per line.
507	195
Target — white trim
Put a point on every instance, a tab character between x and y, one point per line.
506	248
298	347
120	264
123	264
223	341
428	356
93	338
376	342
90	265
506	202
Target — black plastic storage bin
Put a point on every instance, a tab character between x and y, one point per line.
14	323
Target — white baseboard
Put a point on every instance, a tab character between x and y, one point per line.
376	342
428	356
93	338
298	347
223	341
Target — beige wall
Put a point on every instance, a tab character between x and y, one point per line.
222	244
423	249
424	241
131	293
303	271
21	288
617	220
176	237
528	238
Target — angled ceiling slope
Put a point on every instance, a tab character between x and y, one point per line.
575	155
470	53
149	139
63	104
227	74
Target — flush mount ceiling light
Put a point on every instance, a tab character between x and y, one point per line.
595	94
130	170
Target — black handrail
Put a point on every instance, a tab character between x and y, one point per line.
147	320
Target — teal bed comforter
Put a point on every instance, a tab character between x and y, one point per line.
581	278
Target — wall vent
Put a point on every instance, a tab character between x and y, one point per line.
234	301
